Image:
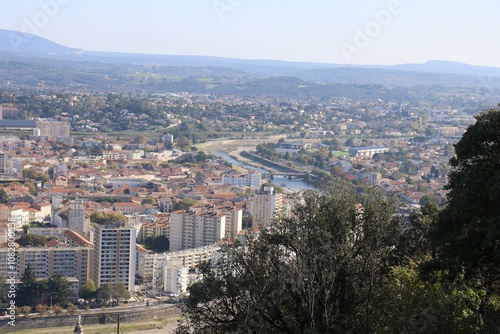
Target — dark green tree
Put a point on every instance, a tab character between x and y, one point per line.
405	303
415	243
59	289
27	289
468	230
160	244
183	204
4	197
140	140
104	293
102	218
184	143
32	240
32	174
120	291
317	272
3	292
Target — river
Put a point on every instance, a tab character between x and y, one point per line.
292	185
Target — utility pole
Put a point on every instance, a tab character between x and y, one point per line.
118	325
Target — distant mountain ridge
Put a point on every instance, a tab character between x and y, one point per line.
14	41
442	66
20	46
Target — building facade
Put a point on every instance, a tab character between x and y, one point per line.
251	179
192	229
47	261
53	129
266	207
367	151
115	255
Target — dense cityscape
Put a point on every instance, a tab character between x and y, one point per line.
143	193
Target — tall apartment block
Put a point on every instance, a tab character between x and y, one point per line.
192	229
266	206
47	261
115	255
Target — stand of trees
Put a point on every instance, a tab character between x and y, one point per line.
157	244
103	218
54	291
350	263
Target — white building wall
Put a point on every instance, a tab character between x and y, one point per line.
176	277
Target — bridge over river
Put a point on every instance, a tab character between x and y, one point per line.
290	175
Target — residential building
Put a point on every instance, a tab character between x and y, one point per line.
153	230
151	266
266	206
234	216
251	179
191	229
175	277
53	129
115	254
117	182
367	151
69	261
128	208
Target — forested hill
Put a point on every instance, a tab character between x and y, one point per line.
23	70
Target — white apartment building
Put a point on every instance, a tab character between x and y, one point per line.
170	271
191	258
175	277
115	255
367	151
19	217
191	229
251	179
234	216
266	206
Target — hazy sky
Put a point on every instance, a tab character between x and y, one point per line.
330	31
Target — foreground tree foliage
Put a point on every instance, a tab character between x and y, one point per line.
318	272
467	233
405	303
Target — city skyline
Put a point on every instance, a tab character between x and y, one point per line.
363	32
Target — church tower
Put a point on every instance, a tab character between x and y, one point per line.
76	218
